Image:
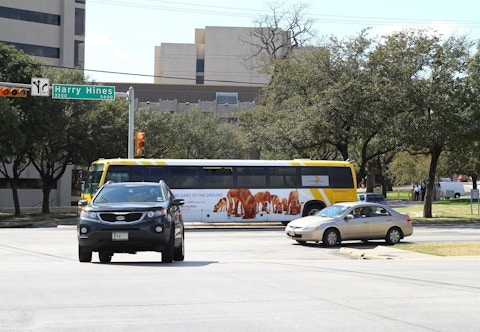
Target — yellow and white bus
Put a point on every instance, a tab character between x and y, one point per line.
225	190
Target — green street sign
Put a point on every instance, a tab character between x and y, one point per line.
69	91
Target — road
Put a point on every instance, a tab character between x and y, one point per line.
233	280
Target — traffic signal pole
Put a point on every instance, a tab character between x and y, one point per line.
130	95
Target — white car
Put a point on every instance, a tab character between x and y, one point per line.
339	222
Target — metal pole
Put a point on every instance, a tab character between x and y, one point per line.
131	115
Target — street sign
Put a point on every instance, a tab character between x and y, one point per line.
69	91
40	87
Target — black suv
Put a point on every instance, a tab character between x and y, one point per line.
129	217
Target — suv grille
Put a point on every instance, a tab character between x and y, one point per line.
121	216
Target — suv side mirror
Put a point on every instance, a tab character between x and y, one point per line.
178	201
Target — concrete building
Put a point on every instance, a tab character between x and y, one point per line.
220	56
49	30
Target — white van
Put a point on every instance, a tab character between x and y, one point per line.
451	189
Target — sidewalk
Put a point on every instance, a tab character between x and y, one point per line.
384	252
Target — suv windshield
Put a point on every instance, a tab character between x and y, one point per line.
129	193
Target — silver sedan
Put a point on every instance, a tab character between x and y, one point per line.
351	221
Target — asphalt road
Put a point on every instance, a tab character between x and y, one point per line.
232	280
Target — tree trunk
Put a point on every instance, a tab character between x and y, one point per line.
16	203
427	207
47	188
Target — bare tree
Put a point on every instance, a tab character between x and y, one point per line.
277	35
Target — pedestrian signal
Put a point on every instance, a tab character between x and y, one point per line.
140	144
13	92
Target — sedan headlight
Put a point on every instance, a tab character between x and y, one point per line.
310	228
156	213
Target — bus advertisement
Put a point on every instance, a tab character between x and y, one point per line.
236	190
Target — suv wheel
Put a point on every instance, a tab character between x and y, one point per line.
167	254
84	255
179	253
105	257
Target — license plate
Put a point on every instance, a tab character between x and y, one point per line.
119	236
291	233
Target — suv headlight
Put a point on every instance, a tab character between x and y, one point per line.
88	215
156	213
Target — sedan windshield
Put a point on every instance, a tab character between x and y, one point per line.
129	194
333	211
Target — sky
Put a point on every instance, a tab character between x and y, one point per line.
121	35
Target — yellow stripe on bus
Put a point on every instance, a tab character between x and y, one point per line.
319	194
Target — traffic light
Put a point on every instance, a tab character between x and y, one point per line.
13	92
139	144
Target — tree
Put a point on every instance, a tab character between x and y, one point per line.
436	115
106	131
16	67
207	135
57	129
278	34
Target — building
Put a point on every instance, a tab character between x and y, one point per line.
51	31
220	56
48	30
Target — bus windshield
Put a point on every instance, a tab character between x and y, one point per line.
92	182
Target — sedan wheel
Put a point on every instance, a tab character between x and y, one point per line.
331	237
393	236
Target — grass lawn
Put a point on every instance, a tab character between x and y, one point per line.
444	249
449	211
445	211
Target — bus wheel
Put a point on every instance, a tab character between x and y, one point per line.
313	209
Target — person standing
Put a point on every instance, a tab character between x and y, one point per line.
416	192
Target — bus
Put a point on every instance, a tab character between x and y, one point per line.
227	190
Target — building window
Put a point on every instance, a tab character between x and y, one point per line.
30	16
78	56
80	1
230	98
200	79
79	22
37	50
200	65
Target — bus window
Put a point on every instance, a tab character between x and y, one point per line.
251	177
118	174
284	177
218	177
341	177
184	177
154	173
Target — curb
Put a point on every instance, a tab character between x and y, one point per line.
384	253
